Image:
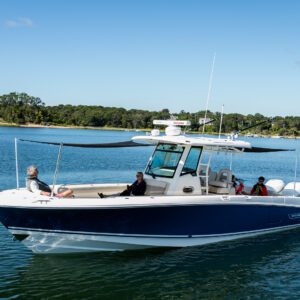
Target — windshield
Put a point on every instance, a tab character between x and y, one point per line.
165	160
191	163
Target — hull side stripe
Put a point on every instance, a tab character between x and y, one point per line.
153	236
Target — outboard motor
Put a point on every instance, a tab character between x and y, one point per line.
275	186
292	189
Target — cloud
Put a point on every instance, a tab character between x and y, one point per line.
19	22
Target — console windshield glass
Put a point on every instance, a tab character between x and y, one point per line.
165	160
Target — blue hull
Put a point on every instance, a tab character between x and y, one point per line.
192	220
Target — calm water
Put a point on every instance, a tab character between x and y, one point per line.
266	267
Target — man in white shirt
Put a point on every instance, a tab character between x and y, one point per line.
39	187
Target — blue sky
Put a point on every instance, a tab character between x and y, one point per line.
154	54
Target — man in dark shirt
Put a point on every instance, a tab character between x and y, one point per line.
138	188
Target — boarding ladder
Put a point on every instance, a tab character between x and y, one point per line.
204	176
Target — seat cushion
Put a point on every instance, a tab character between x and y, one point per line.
221	184
218	190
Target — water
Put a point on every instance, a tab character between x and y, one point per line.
266	267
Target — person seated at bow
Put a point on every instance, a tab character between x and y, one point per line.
138	188
259	189
34	185
238	185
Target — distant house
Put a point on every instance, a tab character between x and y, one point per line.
203	121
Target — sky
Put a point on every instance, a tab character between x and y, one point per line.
154	54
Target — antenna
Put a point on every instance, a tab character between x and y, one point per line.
209	89
221	120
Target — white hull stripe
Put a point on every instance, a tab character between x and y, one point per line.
28	230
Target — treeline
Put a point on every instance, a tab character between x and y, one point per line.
23	109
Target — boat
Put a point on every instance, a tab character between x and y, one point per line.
186	202
276	137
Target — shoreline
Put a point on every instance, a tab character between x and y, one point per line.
4	124
37	126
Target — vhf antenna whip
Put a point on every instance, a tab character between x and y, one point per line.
209	89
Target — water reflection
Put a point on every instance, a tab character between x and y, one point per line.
253	268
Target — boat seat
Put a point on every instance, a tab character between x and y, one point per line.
155	187
211	174
219	190
92	190
223	182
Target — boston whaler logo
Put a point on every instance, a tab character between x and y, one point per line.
294	216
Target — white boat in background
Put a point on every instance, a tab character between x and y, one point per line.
276	137
186	202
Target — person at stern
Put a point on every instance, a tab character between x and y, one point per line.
259	189
34	185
